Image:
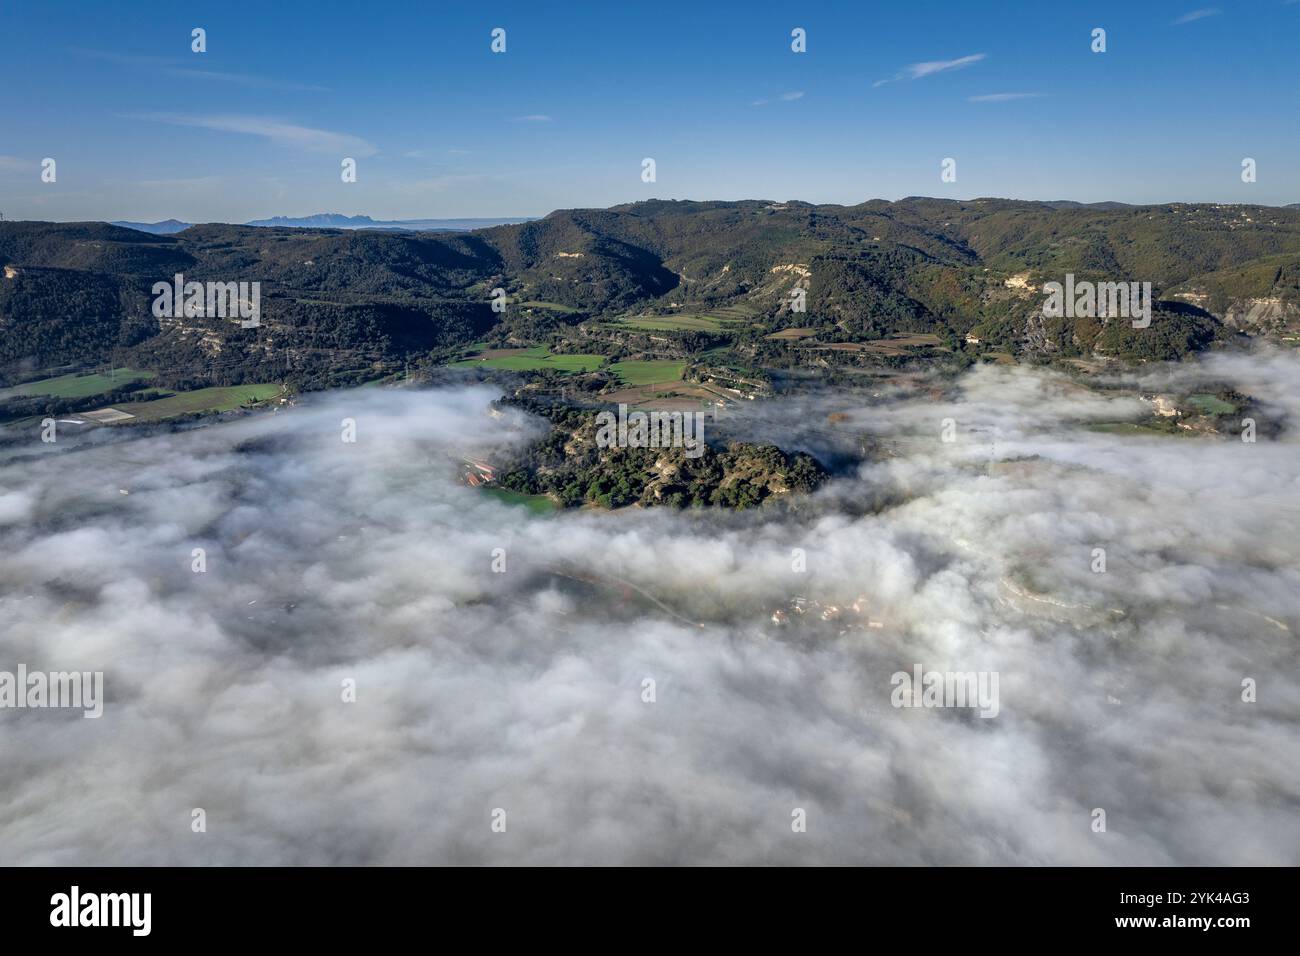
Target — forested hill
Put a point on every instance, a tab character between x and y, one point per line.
343	302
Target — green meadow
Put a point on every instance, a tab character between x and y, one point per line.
650	372
536	504
536	359
77	385
715	320
672	323
547	306
219	399
1208	404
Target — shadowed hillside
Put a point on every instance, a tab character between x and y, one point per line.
688	276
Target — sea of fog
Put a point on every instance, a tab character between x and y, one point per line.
375	664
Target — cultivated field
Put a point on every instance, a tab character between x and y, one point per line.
715	320
533	360
673	323
1208	404
219	399
536	504
77	385
898	344
650	372
546	306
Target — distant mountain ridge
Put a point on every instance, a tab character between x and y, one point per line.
164	228
334	220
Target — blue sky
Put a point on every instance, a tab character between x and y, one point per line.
143	128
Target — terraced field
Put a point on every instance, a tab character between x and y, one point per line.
898	344
715	320
734	313
673	323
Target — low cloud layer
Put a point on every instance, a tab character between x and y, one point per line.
522	690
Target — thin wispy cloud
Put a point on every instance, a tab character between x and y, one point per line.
1003	97
534	118
12	164
916	71
276	131
172	67
125	59
245	79
783	98
1195	15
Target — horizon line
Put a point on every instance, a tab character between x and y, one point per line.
637	202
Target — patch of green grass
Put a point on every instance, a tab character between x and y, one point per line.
1208	404
719	356
673	323
536	504
536	359
650	372
76	385
715	320
734	313
1137	428
549	306
220	399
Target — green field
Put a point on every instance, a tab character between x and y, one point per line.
673	323
536	504
1208	404
734	314
536	359
649	372
548	306
220	399
77	385
1162	429
715	320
